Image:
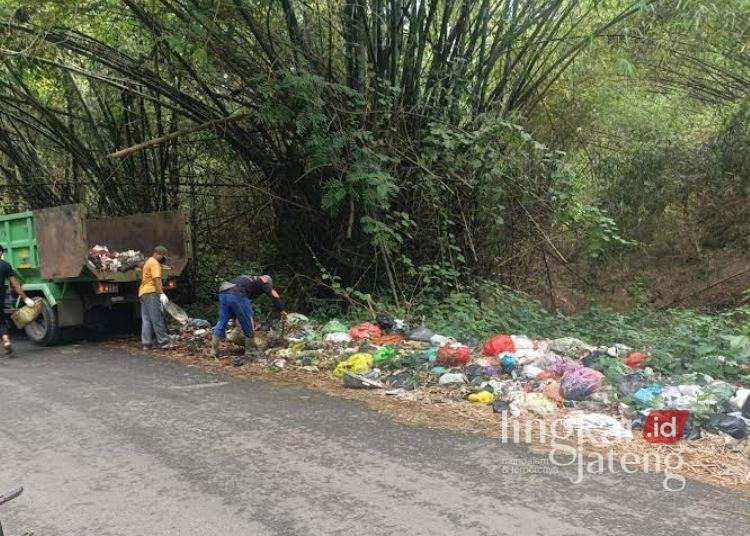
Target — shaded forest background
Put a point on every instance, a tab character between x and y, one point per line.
387	153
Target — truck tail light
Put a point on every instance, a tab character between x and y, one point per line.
106	288
172	283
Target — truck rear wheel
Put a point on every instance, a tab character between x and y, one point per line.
44	331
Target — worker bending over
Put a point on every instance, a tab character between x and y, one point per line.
234	302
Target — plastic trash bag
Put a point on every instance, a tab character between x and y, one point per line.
731	425
359	363
636	360
438	370
28	313
365	330
540	405
579	384
386	354
399	325
570	347
450	378
384	321
498	344
482	397
474	371
645	395
452	355
500	405
525	348
338	337
334	326
508	363
740	399
177	313
530	372
420	334
598	424
439	340
629	384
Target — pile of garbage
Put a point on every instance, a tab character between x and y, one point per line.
612	387
102	259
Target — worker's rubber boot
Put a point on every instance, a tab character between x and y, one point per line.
215	340
250	348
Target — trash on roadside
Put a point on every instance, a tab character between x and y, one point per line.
499	344
571	347
452	355
499	406
482	397
539	404
579	384
357	381
636	360
365	330
420	334
356	364
403	380
334	326
176	313
338	337
645	395
450	378
385	354
598	424
732	425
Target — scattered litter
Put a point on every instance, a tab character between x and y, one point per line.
453	355
636	360
450	378
420	334
540	404
732	425
599	425
355	364
365	330
337	337
482	397
357	381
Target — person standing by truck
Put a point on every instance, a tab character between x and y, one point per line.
6	274
234	302
153	299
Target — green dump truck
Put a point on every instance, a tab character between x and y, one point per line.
49	251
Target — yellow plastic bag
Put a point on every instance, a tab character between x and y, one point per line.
482	397
356	364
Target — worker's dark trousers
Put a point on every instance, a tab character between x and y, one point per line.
152	321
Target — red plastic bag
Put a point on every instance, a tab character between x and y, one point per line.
636	359
452	355
499	344
365	330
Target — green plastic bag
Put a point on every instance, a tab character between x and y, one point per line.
334	326
385	354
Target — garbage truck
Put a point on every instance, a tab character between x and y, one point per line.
49	250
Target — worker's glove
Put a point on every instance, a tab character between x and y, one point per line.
28	301
163	298
282	315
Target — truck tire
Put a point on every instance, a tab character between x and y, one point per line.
44	331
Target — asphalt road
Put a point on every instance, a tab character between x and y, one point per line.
111	443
